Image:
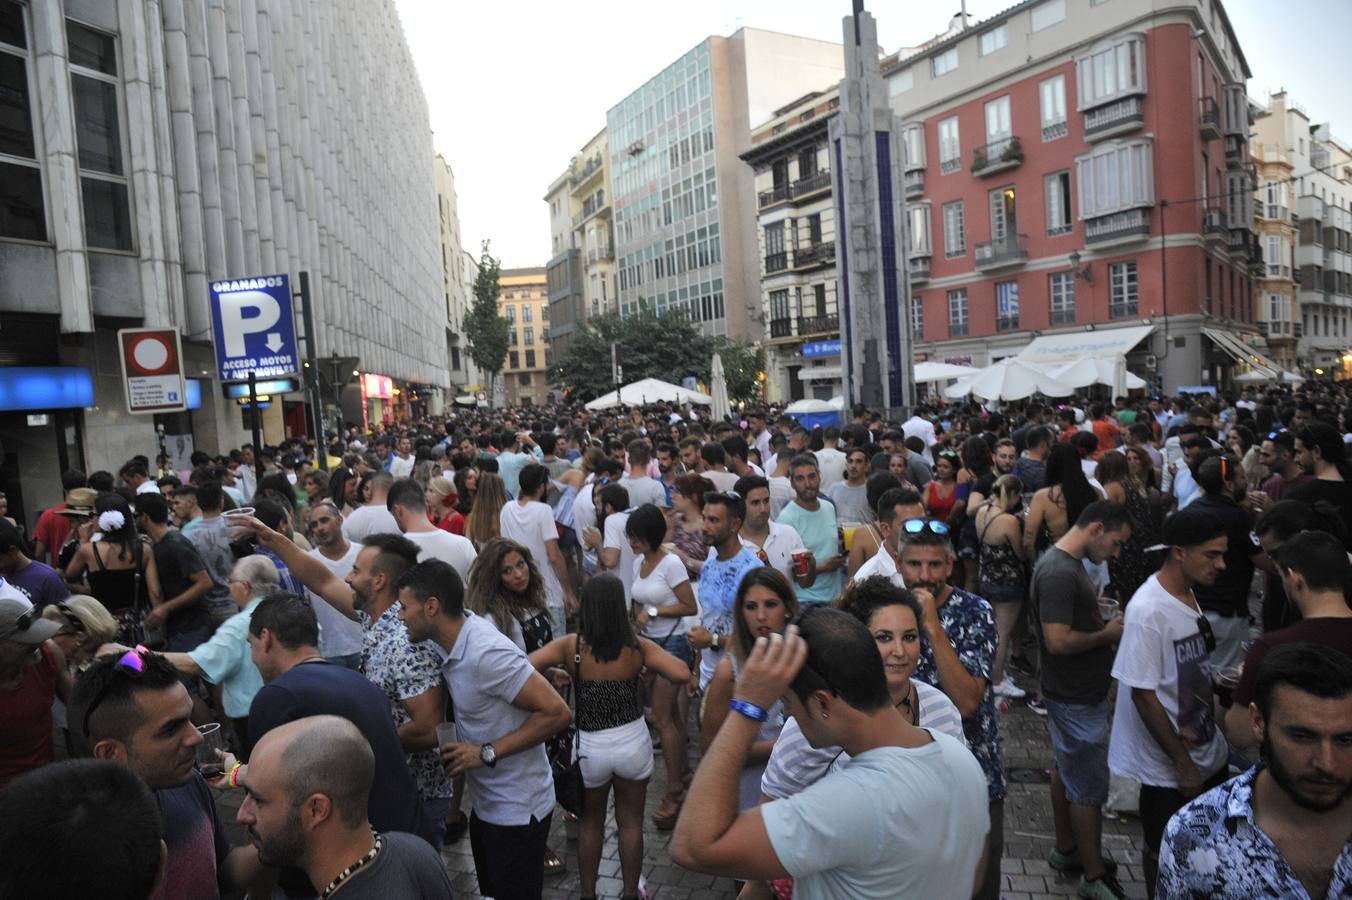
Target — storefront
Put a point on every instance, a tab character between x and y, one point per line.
378	395
41	434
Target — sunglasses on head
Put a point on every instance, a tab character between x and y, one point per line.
918	526
132	664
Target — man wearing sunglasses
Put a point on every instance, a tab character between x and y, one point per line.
1164	729
132	709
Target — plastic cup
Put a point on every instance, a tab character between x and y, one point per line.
1107	608
1227	677
849	531
236	531
210	752
447	733
800	563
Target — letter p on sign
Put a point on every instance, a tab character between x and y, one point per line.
246	312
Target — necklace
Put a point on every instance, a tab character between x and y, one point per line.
909	702
353	869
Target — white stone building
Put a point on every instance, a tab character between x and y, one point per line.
153	146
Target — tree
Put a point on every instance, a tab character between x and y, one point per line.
485	330
743	363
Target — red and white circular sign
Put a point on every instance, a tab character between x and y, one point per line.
150	354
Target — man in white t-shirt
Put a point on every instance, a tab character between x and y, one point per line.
340	638
919	426
613	553
529	521
715	460
375	516
830	460
906	817
401	463
642	488
1164	729
408	504
772	542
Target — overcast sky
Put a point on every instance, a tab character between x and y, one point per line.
516	87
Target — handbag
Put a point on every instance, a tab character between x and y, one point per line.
566	767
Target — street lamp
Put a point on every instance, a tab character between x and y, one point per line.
1084	274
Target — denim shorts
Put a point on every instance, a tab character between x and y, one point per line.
678	645
1080	747
1002	593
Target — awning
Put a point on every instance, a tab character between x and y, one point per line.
1102	342
820	373
1240	352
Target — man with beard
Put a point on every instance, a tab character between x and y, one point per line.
340	638
1280	829
305	806
1164	729
724	513
133	710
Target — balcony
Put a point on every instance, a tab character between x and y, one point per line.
1117	228
814	325
1007	323
780	193
1054	131
810	255
1010	251
776	262
949	166
812	184
589	170
1209	118
1214	224
781	328
1239	237
996	156
1113	119
914	181
919	269
1236	151
1063	316
600	254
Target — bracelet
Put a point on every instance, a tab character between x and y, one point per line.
750	710
233	778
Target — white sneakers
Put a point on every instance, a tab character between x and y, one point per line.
1007	688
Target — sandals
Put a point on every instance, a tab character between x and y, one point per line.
664	818
455	830
553	864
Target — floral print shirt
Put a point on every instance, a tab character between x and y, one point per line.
969	623
404	670
1213	849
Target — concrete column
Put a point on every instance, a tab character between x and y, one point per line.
186	177
218	52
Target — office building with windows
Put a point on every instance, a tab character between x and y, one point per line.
524	303
457	276
1304	220
683	203
1076	166
152	148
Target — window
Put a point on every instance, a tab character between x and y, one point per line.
1053	94
901	82
22	213
1122	290
913	146
917	318
523	379
1061	287
918	219
455	357
1007	306
814	228
1274	265
1048	14
995	39
1058	203
1115	177
513	359
997	126
819	299
511	314
511	337
98	138
529	336
779	308
1111	73
955	233
530	359
957	313
944	63
950	148
526	317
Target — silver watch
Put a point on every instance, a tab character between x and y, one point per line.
488	756
652	612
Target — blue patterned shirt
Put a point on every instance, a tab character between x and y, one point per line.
969	623
1212	848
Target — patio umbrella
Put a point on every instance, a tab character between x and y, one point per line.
1097	370
1253	376
645	391
1009	379
931	372
718	390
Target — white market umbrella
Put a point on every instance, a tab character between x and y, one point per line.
1096	370
811	405
931	372
718	390
1291	378
648	390
1009	379
1253	376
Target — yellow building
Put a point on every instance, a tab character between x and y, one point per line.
524	303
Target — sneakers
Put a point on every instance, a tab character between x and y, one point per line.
1037	706
1105	888
1007	688
1068	862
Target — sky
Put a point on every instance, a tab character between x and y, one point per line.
516	87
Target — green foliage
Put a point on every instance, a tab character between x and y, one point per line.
669	347
485	330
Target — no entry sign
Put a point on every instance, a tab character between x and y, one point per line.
152	369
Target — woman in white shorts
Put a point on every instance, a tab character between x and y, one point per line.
606	660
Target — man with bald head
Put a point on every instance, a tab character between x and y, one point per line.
307	785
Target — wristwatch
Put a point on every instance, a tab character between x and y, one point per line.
488	756
652	612
713	640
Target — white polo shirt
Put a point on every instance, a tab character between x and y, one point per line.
779	546
880	563
485	671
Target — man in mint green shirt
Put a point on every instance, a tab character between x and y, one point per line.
816	522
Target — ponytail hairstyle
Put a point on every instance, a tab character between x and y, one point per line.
1008	492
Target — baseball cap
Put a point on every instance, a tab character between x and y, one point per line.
1189	527
22	623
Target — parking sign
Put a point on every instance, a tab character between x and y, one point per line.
254	327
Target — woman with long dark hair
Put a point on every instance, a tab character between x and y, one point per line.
606	660
1056	506
118	565
1129	569
482	524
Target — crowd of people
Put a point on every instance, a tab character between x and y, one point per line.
470	624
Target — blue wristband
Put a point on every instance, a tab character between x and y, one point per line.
750	710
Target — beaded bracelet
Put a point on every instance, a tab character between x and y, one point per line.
234	774
750	710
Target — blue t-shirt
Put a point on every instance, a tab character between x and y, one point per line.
820	534
225	660
195	839
718	582
42	584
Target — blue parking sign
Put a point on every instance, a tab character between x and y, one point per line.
254	327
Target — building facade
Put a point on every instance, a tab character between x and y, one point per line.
152	148
685	234
1304	208
457	283
524	303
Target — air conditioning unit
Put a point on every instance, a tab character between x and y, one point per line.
1151	361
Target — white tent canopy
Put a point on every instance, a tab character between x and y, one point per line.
810	405
1009	379
931	372
1096	370
1052	349
648	390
